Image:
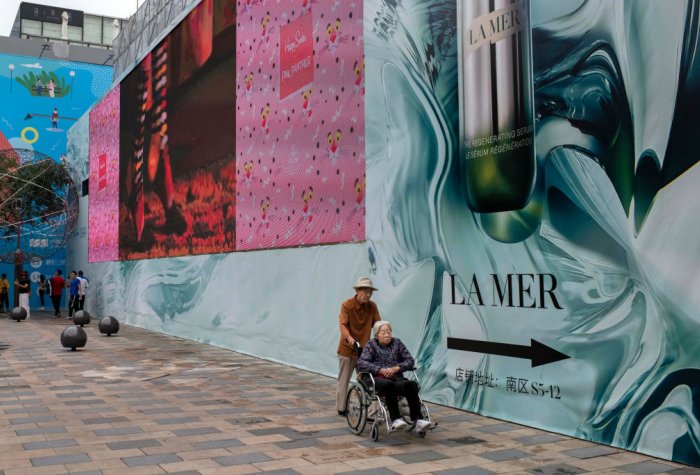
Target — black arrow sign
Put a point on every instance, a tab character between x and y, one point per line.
537	353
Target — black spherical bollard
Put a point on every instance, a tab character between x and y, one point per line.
81	317
73	337
18	313
109	325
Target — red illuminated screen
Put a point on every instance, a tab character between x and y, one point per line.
177	167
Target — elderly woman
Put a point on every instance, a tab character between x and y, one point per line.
386	358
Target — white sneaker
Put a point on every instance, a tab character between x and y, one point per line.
422	425
398	424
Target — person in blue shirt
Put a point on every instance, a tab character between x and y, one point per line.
74	291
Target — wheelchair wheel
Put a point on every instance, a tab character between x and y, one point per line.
374	432
356	409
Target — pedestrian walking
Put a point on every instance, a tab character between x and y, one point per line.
57	283
82	291
4	293
41	289
74	291
23	288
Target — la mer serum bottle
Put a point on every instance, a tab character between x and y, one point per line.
496	104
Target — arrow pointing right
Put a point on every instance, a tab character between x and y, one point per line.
537	353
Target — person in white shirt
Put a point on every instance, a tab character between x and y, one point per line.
82	290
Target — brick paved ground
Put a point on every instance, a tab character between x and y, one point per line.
145	403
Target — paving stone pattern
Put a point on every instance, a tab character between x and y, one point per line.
141	402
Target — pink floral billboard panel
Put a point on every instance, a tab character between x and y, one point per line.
300	134
103	214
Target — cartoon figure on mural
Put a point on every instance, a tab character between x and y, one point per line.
306	210
266	31
54	118
359	194
264	125
306	106
248	5
306	5
359	84
45	84
248	81
264	34
334	37
248	171
333	150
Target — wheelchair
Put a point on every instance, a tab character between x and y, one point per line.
365	405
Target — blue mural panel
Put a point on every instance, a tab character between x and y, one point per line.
40	100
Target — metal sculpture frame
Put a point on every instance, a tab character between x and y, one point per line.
38	202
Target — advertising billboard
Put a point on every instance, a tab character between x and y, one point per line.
300	135
177	117
103	211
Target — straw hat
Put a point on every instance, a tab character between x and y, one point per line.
364	283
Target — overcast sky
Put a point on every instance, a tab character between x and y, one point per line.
113	8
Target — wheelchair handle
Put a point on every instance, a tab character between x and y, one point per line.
357	348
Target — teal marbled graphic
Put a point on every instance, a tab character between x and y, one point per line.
611	216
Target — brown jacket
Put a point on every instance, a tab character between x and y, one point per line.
356	320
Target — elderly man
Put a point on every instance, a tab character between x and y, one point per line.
386	358
357	315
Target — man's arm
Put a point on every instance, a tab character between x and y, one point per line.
343	321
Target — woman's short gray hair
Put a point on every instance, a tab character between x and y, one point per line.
378	325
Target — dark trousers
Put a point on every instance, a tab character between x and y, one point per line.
5	301
73	305
56	300
41	297
81	302
392	389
